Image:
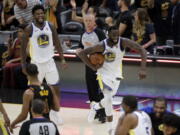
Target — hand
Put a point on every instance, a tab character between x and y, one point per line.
78	51
142	74
73	3
64	64
85	5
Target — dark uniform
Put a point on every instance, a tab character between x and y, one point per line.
44	93
39	126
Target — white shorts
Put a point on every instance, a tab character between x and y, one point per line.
48	71
109	84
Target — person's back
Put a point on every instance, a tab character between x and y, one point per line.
38	126
144	124
44	93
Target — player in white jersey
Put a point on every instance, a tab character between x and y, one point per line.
110	73
133	121
42	37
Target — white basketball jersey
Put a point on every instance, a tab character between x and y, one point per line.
112	67
41	44
144	124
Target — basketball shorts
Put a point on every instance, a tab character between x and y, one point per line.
109	84
48	71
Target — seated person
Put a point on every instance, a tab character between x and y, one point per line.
11	60
143	30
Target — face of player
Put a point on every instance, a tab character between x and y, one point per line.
168	130
39	16
159	108
114	36
21	3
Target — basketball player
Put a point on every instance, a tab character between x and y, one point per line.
36	90
133	121
110	73
39	125
42	37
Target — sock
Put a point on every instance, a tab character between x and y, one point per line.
109	125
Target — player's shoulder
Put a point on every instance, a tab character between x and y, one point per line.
29	92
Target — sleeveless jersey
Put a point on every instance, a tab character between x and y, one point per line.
112	66
144	124
41	44
44	93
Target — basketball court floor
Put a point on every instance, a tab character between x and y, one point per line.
74	111
74	121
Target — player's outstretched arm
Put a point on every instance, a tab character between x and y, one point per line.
27	98
83	54
135	46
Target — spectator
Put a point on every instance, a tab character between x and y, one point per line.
36	90
11	60
171	124
161	17
50	6
23	10
157	113
176	21
7	16
124	19
38	124
143	30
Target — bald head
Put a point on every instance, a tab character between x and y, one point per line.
89	22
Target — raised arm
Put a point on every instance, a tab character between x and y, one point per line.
84	54
135	46
74	15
